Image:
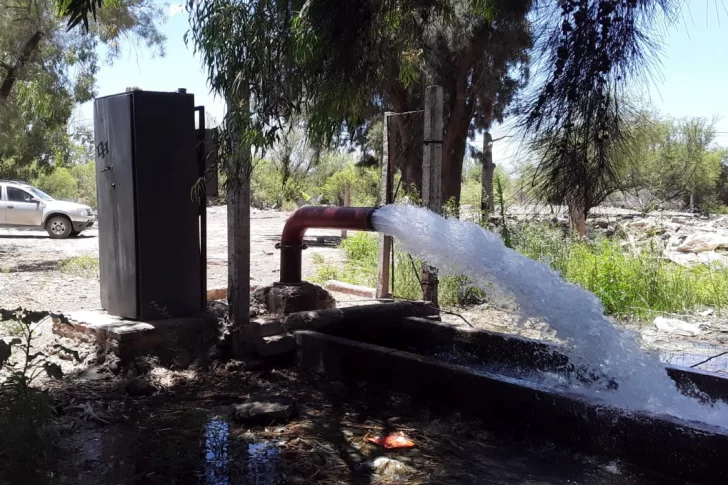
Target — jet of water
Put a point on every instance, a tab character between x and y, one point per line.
459	247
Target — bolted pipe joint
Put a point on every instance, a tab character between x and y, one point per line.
350	218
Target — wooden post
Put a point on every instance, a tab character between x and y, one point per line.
239	168
347	203
487	202
386	196
432	175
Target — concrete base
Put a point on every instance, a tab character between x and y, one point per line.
175	341
427	337
691	451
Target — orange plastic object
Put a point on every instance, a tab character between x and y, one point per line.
394	440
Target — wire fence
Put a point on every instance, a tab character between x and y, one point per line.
406	136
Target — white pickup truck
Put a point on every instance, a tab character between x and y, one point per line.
22	205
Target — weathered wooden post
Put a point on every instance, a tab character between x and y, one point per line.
347	203
386	196
432	174
487	203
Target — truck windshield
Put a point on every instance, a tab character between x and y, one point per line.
40	194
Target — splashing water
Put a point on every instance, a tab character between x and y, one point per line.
458	247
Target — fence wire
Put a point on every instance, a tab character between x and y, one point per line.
406	137
405	132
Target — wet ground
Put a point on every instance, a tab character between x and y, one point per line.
185	434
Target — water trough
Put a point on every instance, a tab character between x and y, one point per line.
511	384
410	355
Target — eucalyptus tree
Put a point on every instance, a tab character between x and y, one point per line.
46	70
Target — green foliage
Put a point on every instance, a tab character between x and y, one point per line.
363	186
675	158
626	283
325	182
85	177
86	266
25	411
360	250
45	71
59	184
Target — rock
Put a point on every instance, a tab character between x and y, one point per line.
701	242
140	386
275	345
283	299
644	224
96	373
265	410
711	258
388	467
183	359
679	327
144	365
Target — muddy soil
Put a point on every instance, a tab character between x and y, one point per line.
184	434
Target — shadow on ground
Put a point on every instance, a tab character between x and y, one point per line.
182	431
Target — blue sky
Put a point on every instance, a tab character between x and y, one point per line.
692	79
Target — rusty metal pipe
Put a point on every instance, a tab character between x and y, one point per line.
350	218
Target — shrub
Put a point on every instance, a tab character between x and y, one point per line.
59	184
360	250
85	176
626	283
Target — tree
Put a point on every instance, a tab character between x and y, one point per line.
591	49
45	71
678	159
293	157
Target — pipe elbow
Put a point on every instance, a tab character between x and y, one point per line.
349	218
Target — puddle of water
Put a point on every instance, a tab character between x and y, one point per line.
217	457
258	464
263	463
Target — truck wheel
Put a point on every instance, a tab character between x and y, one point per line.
59	227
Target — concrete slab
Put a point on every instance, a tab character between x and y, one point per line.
129	339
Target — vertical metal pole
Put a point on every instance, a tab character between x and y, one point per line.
201	152
432	175
386	196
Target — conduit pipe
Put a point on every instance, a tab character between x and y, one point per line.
350	218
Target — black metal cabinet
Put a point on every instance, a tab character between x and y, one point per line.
149	224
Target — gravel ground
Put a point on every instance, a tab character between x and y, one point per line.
30	273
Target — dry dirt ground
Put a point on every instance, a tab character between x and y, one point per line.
30	261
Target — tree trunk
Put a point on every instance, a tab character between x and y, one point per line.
238	217
14	72
577	216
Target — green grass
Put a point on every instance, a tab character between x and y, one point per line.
360	250
627	284
86	266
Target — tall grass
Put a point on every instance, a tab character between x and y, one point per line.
626	283
360	250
